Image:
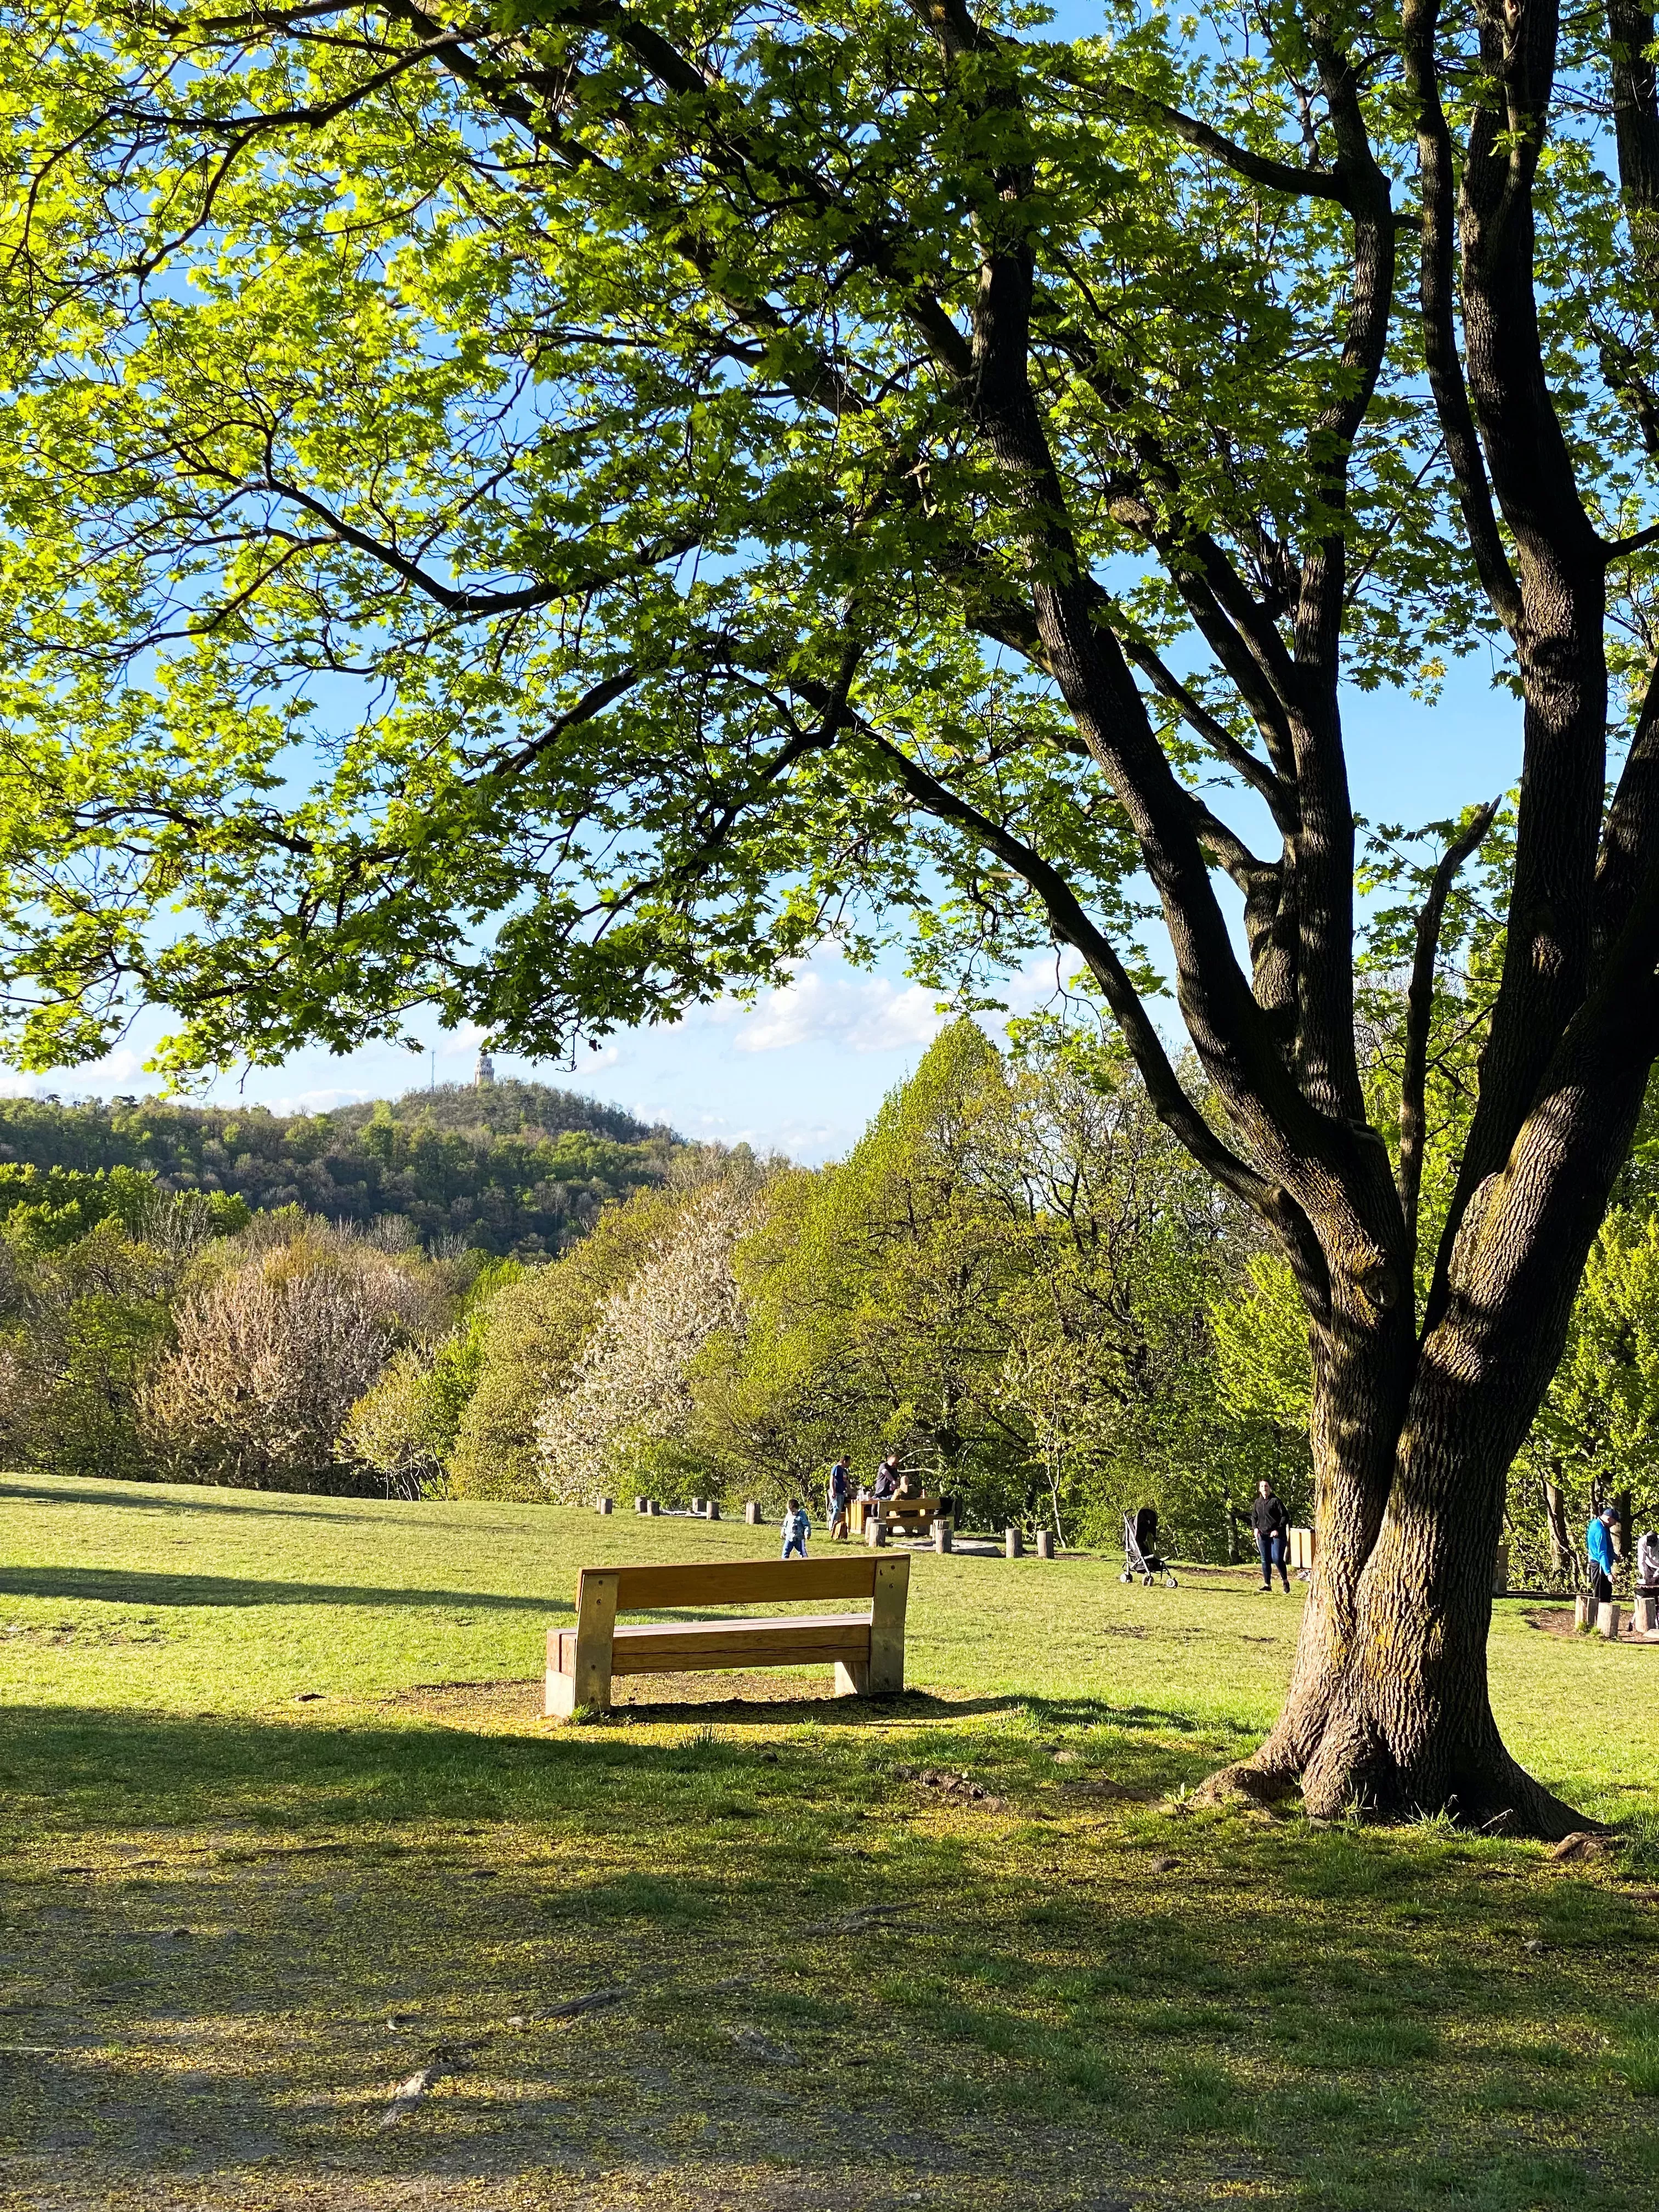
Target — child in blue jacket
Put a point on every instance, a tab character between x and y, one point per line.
796	1529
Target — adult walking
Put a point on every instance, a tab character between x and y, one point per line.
1598	1544
1271	1524
841	1498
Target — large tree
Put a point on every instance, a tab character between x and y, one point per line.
546	509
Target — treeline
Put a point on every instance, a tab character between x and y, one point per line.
511	1168
1016	1279
1011	1281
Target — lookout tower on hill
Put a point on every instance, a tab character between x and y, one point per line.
484	1075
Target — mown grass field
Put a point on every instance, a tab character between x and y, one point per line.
282	1826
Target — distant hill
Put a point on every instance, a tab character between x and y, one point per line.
513	1167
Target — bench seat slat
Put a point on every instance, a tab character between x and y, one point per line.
687	1646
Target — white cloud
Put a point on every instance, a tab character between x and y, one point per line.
859	1013
119	1066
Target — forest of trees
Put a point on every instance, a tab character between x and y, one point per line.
511	1167
1017	1278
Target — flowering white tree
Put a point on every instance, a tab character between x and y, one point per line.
631	1387
272	1352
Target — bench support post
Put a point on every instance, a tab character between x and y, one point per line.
887	1605
589	1683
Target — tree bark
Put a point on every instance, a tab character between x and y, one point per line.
1388	1709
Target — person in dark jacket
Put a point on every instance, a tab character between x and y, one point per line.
1598	1545
1271	1524
841	1498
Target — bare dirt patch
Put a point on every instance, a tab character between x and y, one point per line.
1558	1620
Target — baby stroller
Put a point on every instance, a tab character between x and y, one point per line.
1140	1551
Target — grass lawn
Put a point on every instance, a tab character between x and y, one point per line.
282	1826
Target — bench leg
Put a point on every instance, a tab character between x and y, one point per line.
588	1684
852	1678
561	1700
887	1604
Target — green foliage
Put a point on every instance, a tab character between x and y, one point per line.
89	1321
1597	1431
1265	1375
435	585
46	1211
406	1426
532	1333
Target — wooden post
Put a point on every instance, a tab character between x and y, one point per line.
639	1505
1045	1543
713	1508
652	1506
887	1604
1500	1571
1606	1621
1647	1616
751	1511
603	1505
875	1529
1581	1611
941	1534
1012	1543
698	1504
589	1683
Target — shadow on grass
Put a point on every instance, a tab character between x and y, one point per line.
124	1586
86	1493
1080	2004
825	1710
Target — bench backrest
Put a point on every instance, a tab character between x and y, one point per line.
740	1582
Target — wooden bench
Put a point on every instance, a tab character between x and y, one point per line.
866	1649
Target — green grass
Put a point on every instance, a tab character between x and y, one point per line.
282	1821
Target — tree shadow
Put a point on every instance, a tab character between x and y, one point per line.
822	1709
127	1586
131	1496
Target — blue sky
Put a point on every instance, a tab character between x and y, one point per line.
802	1071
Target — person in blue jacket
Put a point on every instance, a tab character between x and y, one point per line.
796	1529
1598	1543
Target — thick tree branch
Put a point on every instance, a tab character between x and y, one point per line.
1420	1019
1072	927
1437	304
1560	565
1289	177
1216	734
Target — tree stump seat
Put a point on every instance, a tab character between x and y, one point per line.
865	1650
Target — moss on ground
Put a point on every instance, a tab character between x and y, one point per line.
284	1830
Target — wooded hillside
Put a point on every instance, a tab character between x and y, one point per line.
512	1168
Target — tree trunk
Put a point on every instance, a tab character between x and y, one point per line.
1555	1515
1388	1710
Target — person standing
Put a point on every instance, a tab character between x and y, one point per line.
841	1498
1598	1545
1271	1524
887	1477
796	1529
